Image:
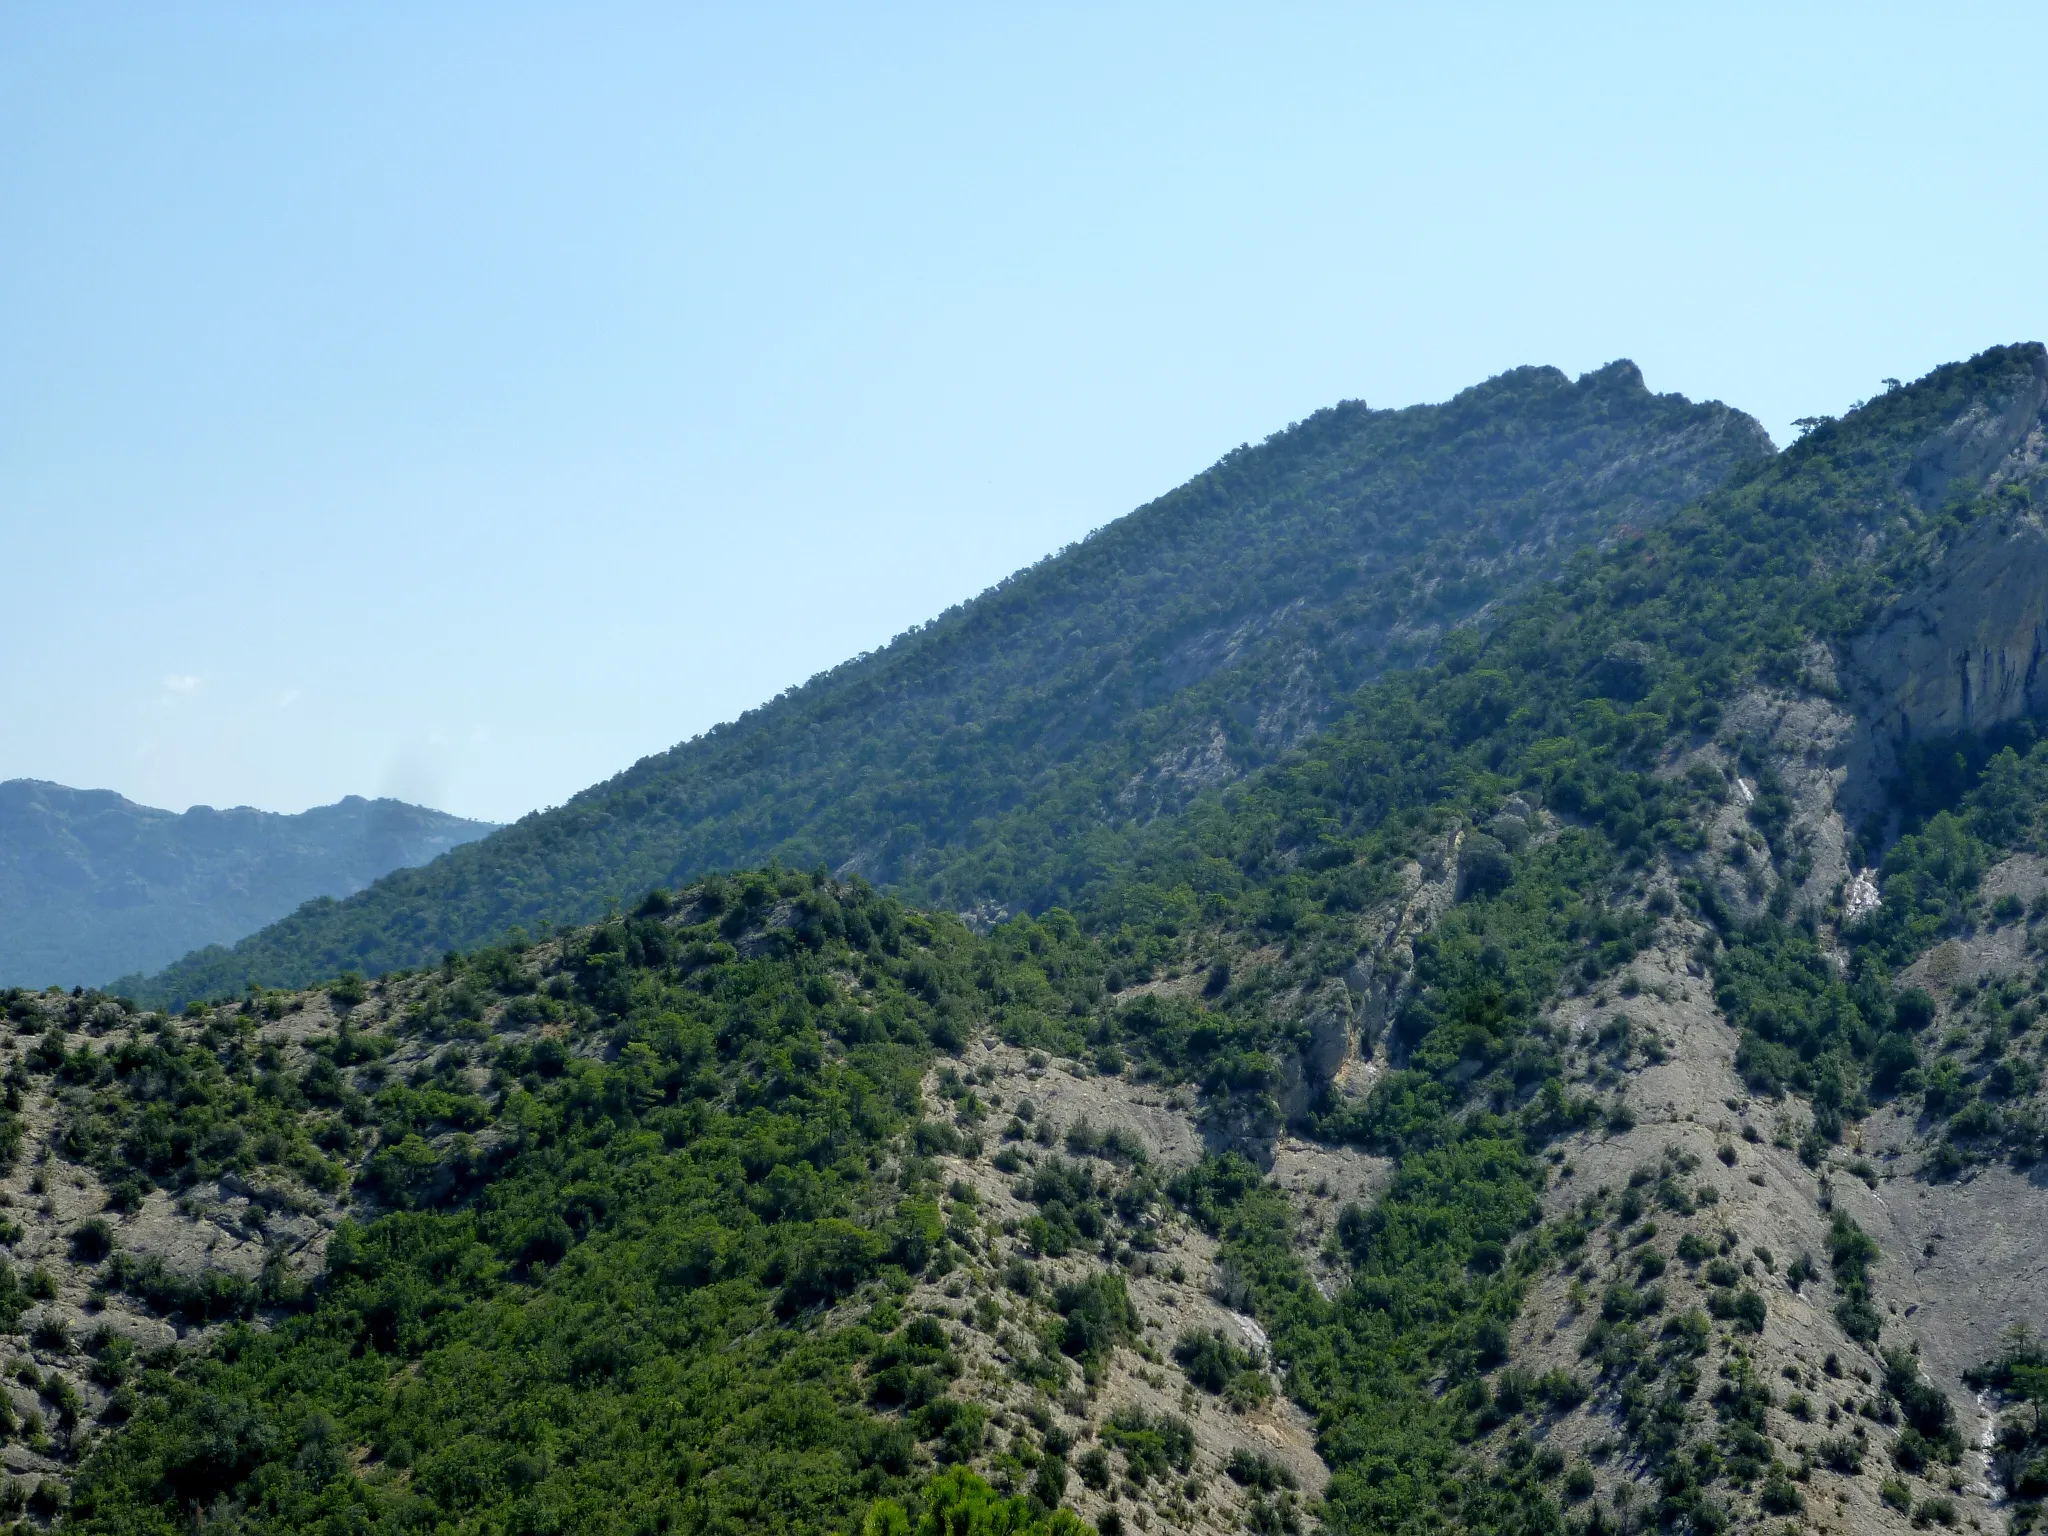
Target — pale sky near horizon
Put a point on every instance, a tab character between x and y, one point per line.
463	401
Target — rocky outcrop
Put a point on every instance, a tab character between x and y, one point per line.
1992	442
1387	952
1961	652
1303	1075
1801	737
1342	1041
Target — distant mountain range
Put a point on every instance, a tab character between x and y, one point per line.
94	886
1003	755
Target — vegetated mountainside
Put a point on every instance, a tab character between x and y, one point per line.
1530	1106
1001	755
94	886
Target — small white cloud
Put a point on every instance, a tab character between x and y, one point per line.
288	698
177	689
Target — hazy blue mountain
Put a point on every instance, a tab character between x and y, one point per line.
93	885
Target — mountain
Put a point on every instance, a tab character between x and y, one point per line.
93	885
1002	756
1593	1083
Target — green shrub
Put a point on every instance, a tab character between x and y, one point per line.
91	1240
1250	1469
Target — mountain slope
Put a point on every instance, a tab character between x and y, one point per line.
1623	937
93	885
1530	1077
1001	753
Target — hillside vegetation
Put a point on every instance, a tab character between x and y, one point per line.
93	886
1003	753
1494	1090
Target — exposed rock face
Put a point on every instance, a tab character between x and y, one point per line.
1962	652
1802	736
1329	1018
1693	1106
1386	952
1994	444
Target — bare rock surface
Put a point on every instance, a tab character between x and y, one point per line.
1692	1111
1064	1094
1804	737
1961	1260
1963	651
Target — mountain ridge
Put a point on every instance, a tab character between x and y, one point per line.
93	885
999	755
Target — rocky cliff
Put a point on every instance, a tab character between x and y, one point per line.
1960	650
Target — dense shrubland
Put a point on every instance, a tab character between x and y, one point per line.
637	1254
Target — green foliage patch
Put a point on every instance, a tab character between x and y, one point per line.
641	1318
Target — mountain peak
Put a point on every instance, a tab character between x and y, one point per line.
1177	649
1621	374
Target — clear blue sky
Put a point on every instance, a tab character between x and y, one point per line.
463	401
